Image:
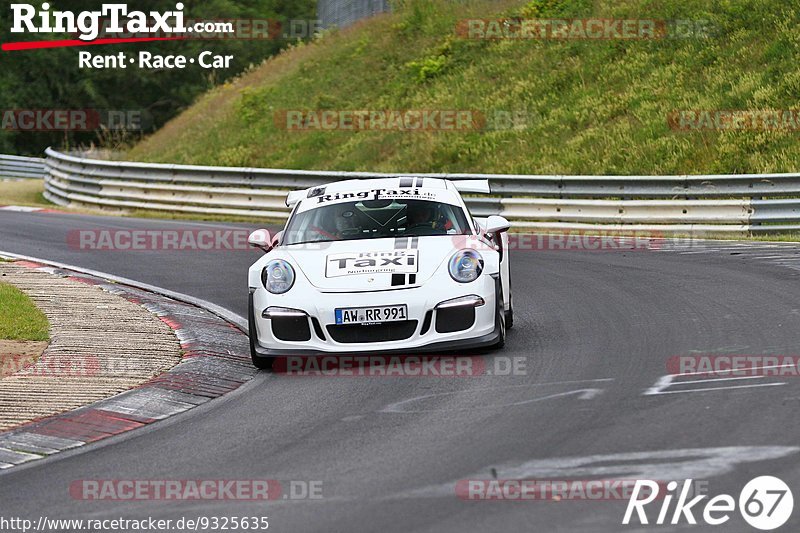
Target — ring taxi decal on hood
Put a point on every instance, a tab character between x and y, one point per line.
408	243
395	262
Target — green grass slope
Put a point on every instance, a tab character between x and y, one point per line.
593	106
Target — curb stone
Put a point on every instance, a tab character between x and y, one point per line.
216	361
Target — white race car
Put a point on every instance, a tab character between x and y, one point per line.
390	265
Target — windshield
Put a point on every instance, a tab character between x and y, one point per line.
374	219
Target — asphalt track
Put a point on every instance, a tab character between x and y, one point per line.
595	330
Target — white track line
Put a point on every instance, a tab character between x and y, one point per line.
714	380
709	389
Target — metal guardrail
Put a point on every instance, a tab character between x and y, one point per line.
343	13
668	204
13	166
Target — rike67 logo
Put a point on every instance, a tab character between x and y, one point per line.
766	503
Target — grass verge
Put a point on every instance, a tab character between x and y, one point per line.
23	192
589	106
20	319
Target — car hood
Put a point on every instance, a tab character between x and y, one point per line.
373	264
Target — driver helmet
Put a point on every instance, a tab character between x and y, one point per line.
421	213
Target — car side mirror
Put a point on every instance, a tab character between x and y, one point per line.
261	238
497	224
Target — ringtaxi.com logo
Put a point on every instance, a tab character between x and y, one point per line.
765	503
88	24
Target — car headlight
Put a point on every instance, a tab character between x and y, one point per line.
466	266
278	276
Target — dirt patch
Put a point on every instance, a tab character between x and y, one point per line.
19	355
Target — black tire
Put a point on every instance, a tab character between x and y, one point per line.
259	361
510	314
501	340
262	363
500	316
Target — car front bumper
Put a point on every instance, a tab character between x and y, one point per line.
422	334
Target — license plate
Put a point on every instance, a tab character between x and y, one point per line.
371	315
